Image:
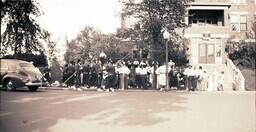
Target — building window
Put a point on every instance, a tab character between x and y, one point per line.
243	23
234	23
238	22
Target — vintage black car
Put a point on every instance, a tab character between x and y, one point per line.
17	73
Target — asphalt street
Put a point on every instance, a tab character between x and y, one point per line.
127	111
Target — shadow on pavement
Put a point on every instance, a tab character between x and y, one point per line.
46	110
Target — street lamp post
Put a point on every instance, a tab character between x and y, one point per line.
166	36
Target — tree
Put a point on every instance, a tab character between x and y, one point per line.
156	16
92	42
51	49
81	46
53	63
243	53
22	33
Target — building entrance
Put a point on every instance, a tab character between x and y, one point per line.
206	53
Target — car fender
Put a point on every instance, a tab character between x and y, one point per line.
15	77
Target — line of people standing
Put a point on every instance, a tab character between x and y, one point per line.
198	79
107	75
137	74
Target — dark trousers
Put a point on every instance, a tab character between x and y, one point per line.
138	80
100	80
71	79
143	79
189	83
78	79
192	83
186	82
110	81
86	78
93	79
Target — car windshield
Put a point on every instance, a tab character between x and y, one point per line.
26	65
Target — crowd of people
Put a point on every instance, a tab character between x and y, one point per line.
198	79
108	76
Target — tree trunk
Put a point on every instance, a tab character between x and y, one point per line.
15	42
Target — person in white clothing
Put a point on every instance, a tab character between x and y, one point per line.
204	82
212	83
124	72
137	76
151	74
220	82
186	75
191	76
200	79
161	75
143	75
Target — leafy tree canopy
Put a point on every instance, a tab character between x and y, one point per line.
154	17
22	33
90	42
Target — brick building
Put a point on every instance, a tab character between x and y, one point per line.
212	23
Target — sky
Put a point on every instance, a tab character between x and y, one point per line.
69	17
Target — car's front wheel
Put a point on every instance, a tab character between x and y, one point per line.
10	85
33	88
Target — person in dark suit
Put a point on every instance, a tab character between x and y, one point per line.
173	80
110	78
70	74
86	74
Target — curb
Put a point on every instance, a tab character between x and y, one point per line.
148	90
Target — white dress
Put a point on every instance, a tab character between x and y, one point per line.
210	83
161	76
151	76
215	80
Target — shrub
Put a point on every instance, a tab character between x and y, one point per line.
242	53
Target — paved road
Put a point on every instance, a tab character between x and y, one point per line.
73	111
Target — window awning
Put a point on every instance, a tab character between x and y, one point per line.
209	5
